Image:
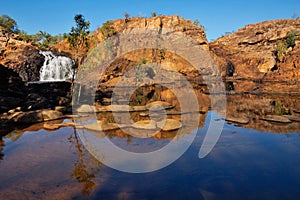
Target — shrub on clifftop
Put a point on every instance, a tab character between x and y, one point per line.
107	29
10	25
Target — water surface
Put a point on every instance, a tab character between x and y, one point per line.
245	164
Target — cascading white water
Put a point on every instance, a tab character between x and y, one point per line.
56	68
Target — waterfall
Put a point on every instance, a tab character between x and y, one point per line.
56	68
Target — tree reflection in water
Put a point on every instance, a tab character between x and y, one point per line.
86	167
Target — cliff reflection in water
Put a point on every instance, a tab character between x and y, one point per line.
266	112
83	168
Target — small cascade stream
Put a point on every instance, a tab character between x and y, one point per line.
56	68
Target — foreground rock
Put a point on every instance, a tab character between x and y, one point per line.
276	118
37	116
239	120
49	115
292	118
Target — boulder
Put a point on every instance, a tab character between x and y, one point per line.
27	117
49	115
36	116
169	125
276	118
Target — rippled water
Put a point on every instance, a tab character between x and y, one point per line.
245	164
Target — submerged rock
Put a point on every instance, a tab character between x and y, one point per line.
146	124
138	108
101	126
240	120
169	125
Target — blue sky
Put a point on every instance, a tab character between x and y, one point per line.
218	16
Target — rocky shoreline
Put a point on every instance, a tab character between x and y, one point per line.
247	60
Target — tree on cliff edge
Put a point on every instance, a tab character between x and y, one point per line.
78	37
10	26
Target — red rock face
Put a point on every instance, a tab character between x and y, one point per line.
249	53
22	57
252	50
169	22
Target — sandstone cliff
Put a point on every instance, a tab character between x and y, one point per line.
252	51
175	23
20	56
249	53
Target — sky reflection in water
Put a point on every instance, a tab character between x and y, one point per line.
245	164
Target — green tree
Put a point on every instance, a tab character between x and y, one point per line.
196	22
291	38
153	14
78	37
22	35
43	38
127	17
78	40
281	49
10	25
283	45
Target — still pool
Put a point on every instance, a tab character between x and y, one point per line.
244	164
